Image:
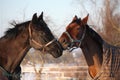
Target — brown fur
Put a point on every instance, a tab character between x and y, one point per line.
16	43
91	45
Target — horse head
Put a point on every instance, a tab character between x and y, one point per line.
41	37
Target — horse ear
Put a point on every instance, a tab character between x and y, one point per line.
84	21
41	16
75	18
34	18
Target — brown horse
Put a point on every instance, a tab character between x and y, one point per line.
17	42
103	60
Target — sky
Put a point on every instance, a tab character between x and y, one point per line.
59	11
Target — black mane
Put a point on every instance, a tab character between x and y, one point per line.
13	32
94	35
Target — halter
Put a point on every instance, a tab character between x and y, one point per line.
8	74
40	47
73	41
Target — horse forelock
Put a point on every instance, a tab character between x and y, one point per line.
78	21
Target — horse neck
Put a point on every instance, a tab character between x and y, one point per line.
13	50
93	54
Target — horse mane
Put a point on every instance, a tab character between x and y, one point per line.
94	35
13	32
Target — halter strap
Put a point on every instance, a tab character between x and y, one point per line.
5	72
38	44
73	41
10	74
3	69
31	39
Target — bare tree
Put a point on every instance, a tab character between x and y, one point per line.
107	15
111	21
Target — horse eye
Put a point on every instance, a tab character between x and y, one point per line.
78	28
64	40
42	33
37	28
